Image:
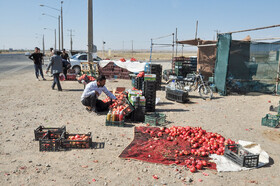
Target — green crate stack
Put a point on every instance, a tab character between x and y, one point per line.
155	119
115	123
270	120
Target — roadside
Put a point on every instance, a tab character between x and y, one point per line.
26	104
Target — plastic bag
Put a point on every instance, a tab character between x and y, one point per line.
61	77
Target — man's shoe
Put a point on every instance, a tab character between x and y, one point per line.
52	88
38	79
89	110
44	79
60	90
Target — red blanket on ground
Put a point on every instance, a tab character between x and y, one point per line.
147	146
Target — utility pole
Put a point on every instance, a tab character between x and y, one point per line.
59	43
103	43
71	41
132	47
123	47
61	27
176	41
151	50
217	32
173	46
196	29
43	44
54	39
90	35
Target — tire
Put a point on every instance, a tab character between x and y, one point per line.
205	92
77	69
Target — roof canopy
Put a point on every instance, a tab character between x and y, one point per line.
196	42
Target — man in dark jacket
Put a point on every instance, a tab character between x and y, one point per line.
56	64
37	58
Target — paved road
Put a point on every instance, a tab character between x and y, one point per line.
14	63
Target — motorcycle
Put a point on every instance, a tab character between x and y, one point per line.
191	83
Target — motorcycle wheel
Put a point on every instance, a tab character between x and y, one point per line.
205	92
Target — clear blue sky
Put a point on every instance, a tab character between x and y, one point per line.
118	22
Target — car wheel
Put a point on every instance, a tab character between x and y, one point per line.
77	69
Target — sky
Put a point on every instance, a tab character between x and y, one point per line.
123	23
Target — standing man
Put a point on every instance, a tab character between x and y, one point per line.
56	64
65	56
91	93
36	57
66	62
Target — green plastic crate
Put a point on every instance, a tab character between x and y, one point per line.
115	123
270	120
155	119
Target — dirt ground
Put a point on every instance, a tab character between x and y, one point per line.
27	103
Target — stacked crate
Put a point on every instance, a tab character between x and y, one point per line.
157	69
107	71
150	95
138	83
125	74
184	65
112	70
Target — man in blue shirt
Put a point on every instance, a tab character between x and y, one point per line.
92	92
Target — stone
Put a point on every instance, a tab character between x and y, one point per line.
189	179
48	165
145	170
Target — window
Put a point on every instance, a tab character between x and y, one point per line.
83	57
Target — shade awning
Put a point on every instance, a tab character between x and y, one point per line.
195	42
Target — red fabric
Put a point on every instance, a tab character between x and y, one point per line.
133	59
148	147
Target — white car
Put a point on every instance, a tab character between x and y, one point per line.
76	60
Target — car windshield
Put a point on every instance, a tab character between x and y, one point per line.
74	56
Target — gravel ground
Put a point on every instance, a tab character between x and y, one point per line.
27	103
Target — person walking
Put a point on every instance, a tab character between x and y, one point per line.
36	57
56	64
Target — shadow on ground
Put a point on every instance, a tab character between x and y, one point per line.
171	110
73	90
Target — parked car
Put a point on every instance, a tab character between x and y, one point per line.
76	60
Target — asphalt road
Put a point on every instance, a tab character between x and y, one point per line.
14	63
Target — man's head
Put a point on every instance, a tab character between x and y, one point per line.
36	49
55	52
63	50
101	80
51	49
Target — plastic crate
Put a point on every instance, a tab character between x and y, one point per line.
177	95
155	119
270	120
71	77
115	123
67	144
241	156
55	133
47	144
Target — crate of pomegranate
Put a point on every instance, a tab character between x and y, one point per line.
55	133
240	156
76	141
121	105
48	144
